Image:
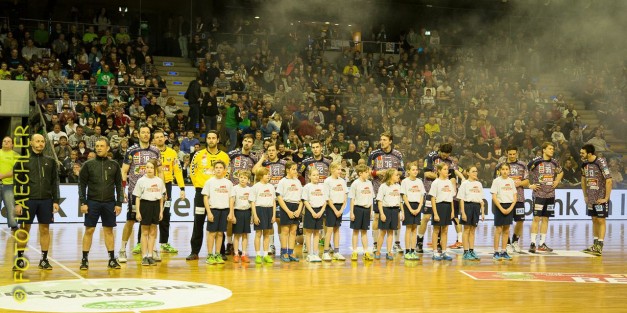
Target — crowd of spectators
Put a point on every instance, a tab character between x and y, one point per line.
104	83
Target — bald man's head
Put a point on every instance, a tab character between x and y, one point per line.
38	143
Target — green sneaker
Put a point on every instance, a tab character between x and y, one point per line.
415	256
210	260
137	249
258	259
218	259
408	256
268	259
167	248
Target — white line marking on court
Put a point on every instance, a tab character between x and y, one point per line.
464	272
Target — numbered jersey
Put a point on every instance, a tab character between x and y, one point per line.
137	158
276	170
518	172
596	173
380	160
311	163
241	162
201	166
543	172
430	163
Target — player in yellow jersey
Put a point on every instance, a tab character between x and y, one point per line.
201	166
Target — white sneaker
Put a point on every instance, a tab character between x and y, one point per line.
156	255
516	247
509	249
338	256
310	258
122	256
326	256
304	248
397	248
316	258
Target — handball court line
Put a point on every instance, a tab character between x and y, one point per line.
67	269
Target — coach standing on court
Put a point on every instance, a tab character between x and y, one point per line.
37	186
100	194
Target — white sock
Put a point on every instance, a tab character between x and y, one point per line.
459	237
542	238
533	238
124	243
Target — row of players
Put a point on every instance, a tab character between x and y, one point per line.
102	182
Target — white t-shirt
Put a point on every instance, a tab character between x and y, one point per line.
504	189
151	189
290	189
241	197
315	195
361	193
389	195
336	189
262	195
413	189
470	191
219	191
443	190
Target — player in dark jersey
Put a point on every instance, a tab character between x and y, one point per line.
545	174
518	172
320	163
241	160
276	169
443	155
380	160
596	184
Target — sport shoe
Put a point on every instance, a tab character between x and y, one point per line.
167	248
516	247
84	265
210	260
588	250
545	248
377	255
223	257
415	256
145	262
236	259
338	256
156	255
192	256
446	257
389	257
268	259
597	250
310	258
474	255
436	257
229	249
285	258
45	265
368	256
122	256
114	265
137	249
456	245
20	265
272	250
505	256
496	256
219	259
509	248
326	257
293	258
152	261
532	248
468	256
409	257
397	248
258	259
245	259
354	256
316	258
419	249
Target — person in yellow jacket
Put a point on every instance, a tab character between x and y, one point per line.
201	169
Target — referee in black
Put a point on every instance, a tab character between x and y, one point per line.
101	195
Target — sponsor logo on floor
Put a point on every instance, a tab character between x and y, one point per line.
109	295
549	277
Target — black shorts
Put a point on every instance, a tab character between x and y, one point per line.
331	219
284	218
472	211
362	218
131	213
411	219
265	218
97	209
150	212
40	208
501	219
391	218
544	207
427	209
219	220
199	205
444	213
519	211
311	222
242	224
599	210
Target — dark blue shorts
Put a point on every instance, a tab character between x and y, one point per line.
331	219
242	224
501	219
219	220
97	209
411	219
265	218
40	208
311	222
472	211
362	218
284	218
391	218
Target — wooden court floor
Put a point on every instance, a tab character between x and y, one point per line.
373	286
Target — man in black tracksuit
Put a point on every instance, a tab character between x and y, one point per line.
100	194
36	183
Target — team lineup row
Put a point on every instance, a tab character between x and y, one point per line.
445	196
